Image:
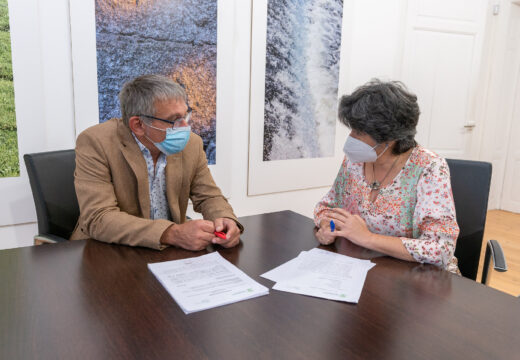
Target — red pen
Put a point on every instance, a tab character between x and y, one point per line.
220	234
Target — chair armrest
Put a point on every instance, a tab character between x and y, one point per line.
493	251
497	254
47	239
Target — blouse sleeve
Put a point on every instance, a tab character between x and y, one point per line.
334	197
435	228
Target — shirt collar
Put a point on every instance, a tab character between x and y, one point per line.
143	148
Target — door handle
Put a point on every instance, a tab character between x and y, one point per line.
470	125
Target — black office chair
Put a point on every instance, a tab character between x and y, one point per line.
51	175
470	182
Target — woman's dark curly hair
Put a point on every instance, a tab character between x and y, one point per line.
384	110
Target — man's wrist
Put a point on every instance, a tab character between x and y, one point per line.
168	236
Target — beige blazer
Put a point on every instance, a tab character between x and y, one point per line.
111	181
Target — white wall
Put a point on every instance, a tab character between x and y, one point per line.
45	106
378	40
17	235
40	37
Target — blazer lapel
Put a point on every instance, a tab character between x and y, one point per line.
135	159
174	183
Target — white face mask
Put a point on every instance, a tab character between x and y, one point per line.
358	151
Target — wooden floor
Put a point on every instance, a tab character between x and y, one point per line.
505	227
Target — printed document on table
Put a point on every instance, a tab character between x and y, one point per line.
284	271
322	274
290	269
205	282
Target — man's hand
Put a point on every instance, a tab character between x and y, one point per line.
324	235
193	235
230	228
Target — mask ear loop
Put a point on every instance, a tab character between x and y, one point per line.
386	148
148	125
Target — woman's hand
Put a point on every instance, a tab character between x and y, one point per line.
352	227
323	234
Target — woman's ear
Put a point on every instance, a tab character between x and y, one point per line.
136	125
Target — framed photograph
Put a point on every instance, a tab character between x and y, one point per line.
186	40
295	139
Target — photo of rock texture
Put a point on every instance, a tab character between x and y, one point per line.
176	38
301	78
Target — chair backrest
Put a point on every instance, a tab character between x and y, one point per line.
51	175
470	182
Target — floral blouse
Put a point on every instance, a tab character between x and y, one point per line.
417	206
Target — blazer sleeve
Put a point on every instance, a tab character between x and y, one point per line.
205	194
100	216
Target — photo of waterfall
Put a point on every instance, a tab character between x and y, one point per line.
301	78
175	38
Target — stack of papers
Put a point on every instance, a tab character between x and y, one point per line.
205	282
322	274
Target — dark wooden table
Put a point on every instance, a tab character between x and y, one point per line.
86	299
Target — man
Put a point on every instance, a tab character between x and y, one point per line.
134	175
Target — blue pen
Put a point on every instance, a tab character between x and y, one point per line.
332	226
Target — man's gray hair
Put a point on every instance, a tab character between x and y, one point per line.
138	96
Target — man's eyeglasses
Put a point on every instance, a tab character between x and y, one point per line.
174	123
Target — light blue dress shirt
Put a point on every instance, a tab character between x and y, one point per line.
159	208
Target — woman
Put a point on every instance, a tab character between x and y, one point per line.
391	195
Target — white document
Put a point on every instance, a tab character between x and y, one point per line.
290	269
322	274
284	271
205	282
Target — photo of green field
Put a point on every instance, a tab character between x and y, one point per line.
9	165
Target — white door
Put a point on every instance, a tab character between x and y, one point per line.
43	95
511	188
441	64
511	185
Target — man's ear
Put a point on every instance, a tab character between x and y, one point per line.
136	125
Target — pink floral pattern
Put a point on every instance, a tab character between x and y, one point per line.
417	206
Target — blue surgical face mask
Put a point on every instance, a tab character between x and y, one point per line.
175	140
358	151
